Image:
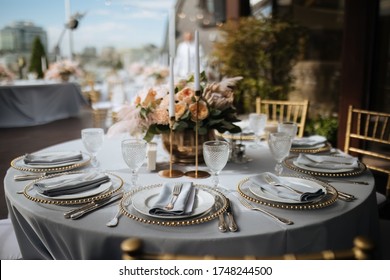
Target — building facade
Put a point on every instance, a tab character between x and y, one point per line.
19	36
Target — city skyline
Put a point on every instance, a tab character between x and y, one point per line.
107	23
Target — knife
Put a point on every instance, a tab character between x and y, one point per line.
221	218
96	205
229	212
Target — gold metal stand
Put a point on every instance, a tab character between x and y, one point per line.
197	173
171	173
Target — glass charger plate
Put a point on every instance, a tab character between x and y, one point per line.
326	200
19	164
30	193
261	193
144	200
291	164
212	213
320	148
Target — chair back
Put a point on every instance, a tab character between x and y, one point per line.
368	137
132	249
284	111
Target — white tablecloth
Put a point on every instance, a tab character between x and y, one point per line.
43	232
34	104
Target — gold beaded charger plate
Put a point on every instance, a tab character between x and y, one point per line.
330	196
212	211
18	163
101	192
143	201
292	164
320	148
307	184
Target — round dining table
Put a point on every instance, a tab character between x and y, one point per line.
43	232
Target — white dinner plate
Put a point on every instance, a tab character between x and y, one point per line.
144	200
92	192
308	184
316	169
21	163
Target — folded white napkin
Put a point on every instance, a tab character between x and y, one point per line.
184	203
55	158
327	162
60	186
309	141
309	193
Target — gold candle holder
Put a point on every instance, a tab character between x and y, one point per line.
171	173
197	173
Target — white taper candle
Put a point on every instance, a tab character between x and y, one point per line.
197	68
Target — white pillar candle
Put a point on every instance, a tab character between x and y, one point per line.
197	68
171	89
172	31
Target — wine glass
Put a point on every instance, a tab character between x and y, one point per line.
134	154
215	154
257	123
93	141
280	145
291	128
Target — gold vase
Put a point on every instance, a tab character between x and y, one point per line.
183	146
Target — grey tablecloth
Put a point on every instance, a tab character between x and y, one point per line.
35	104
43	233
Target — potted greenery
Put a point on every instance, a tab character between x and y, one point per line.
263	51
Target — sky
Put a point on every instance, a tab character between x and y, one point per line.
118	23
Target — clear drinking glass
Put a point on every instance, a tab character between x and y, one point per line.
280	145
93	139
257	123
215	154
134	154
291	128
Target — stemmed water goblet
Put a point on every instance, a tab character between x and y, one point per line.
93	139
280	145
257	123
134	154
290	128
215	154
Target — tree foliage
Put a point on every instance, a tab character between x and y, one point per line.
38	51
263	51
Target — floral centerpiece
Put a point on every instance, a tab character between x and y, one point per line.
62	70
148	114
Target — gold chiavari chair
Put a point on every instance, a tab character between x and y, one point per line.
368	137
363	249
284	111
101	110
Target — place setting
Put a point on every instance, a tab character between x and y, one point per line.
173	204
310	144
332	165
73	188
49	162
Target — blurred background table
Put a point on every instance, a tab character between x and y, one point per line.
36	102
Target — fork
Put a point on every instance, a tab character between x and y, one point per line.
272	182
115	220
175	193
248	205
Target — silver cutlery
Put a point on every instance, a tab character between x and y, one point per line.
347	182
248	205
222	226
26	177
115	220
175	193
272	182
229	212
96	205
